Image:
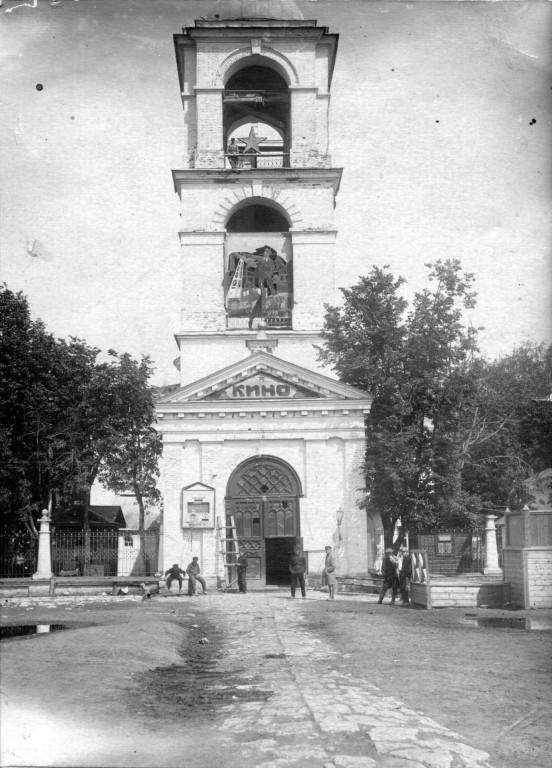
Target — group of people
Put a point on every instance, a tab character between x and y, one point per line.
193	572
396	574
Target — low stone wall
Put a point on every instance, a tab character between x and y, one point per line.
63	587
456	593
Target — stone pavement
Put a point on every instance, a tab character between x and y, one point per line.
311	714
318	716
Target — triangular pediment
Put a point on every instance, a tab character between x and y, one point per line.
263	377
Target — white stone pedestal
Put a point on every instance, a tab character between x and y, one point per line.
44	565
491	566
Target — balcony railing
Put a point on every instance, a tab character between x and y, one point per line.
248	161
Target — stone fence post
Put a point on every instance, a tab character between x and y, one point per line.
44	565
491	566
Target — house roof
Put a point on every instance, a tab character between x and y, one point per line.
98	517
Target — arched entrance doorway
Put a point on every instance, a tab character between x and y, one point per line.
263	497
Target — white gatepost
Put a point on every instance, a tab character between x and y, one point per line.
44	565
491	566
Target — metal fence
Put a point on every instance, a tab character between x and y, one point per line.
76	553
18	556
455	552
105	553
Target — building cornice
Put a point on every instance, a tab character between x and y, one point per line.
296	176
199	409
242	334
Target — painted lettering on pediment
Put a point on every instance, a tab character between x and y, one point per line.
261	387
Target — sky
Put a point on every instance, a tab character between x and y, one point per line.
440	119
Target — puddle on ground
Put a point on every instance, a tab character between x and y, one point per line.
14	631
529	624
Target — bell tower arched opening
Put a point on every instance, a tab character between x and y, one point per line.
258	275
256	116
263	500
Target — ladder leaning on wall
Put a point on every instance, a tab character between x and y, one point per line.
229	550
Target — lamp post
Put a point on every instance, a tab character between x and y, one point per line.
339	517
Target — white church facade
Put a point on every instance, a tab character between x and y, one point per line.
258	431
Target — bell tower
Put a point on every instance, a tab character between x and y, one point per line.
257	436
257	230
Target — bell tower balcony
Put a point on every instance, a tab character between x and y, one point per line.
256	93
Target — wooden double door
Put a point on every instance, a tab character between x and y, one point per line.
263	498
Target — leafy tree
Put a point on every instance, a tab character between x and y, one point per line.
133	460
418	365
64	417
449	432
509	434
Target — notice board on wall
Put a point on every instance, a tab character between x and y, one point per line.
198	506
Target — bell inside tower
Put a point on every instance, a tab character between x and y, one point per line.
256	117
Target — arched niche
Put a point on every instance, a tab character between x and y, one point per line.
258	270
256	114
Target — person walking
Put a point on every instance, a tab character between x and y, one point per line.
174	572
328	574
390	573
193	570
242	572
298	571
405	574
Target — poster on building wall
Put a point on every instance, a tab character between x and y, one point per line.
198	506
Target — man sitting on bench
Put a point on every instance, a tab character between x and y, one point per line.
193	570
175	572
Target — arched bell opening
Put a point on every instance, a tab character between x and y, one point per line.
258	271
256	116
262	501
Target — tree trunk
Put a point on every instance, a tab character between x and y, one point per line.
142	528
86	528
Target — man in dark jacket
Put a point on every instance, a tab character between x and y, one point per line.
298	571
175	572
405	574
390	573
242	572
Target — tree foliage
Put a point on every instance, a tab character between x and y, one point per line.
134	456
65	416
450	433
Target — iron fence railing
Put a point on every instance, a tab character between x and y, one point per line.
18	556
105	553
264	160
76	553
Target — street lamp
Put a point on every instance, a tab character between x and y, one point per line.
339	517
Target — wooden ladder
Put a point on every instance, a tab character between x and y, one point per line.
229	551
236	286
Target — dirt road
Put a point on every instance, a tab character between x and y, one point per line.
267	681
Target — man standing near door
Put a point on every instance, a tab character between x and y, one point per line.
298	571
242	572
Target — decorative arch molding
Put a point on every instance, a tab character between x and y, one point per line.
256	194
263	475
230	64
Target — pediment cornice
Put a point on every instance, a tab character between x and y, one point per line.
264	381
